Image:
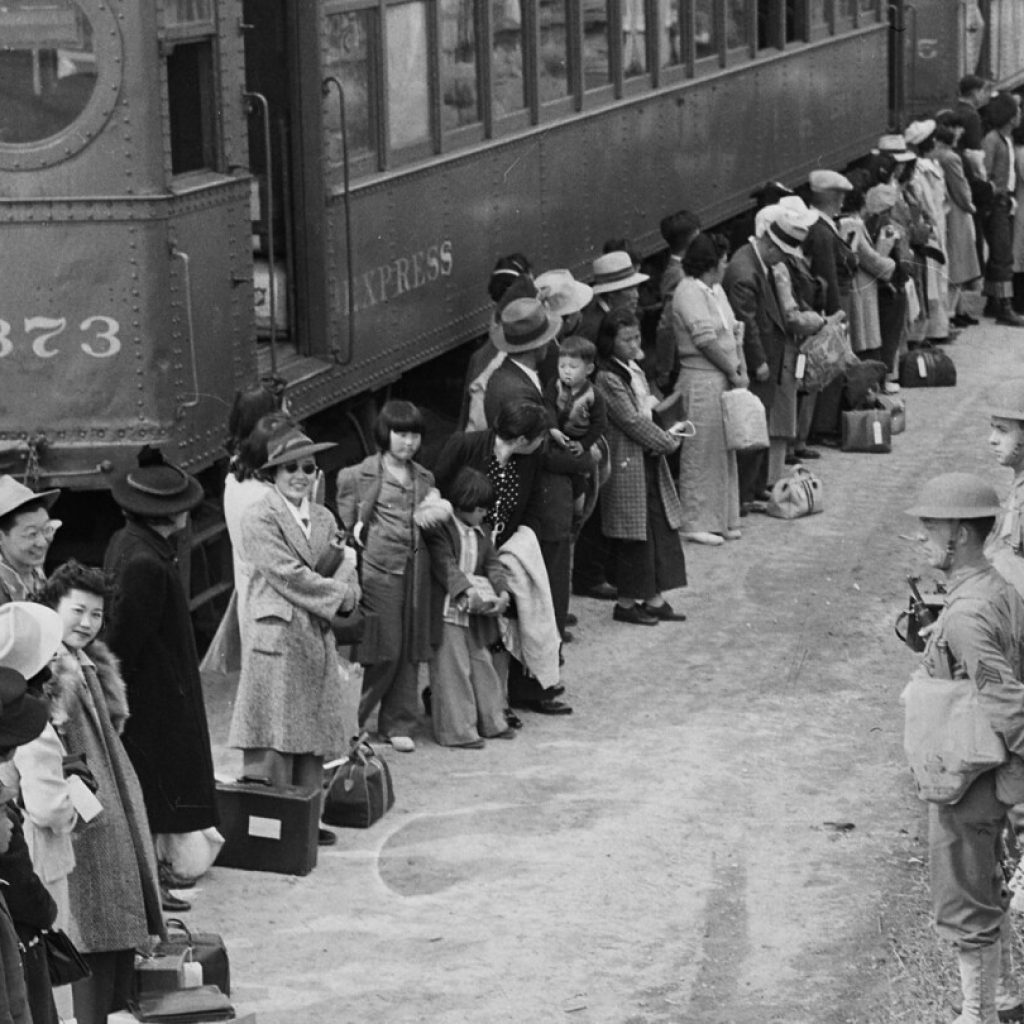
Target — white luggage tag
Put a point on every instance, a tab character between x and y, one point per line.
876	428
922	367
801	365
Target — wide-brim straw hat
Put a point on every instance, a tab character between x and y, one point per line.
292	445
614	271
896	146
15	495
30	634
155	487
526	324
790	224
562	293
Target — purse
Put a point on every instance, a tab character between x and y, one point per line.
947	736
796	495
746	423
867	430
66	964
927	367
358	791
185	1006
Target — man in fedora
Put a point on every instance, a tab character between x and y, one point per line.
616	285
150	630
26	531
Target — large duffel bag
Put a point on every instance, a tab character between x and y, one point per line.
927	367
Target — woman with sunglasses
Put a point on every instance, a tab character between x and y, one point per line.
289	707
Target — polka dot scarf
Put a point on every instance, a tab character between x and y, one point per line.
505	480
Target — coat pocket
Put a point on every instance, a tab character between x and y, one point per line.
271	633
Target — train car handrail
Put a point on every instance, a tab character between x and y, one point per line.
179	254
347	202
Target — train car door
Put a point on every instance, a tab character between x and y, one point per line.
283	82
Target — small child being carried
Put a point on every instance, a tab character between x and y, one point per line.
582	418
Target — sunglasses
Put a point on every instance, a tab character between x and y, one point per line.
309	468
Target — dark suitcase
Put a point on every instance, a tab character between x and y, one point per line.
927	367
867	430
268	829
358	791
204	948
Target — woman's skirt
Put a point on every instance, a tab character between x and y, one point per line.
708	484
644	568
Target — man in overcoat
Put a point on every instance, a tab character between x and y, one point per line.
150	630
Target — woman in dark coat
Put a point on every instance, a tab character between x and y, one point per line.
640	510
149	629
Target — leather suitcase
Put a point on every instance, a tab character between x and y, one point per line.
867	430
204	948
268	829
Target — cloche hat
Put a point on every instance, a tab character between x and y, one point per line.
956	496
526	324
14	495
289	444
156	487
562	293
614	272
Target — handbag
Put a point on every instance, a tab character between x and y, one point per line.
746	424
947	736
185	1006
826	355
358	789
66	964
867	430
796	495
927	367
204	948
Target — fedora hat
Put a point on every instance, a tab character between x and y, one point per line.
767	214
14	495
156	487
614	271
896	146
789	227
290	444
30	634
526	324
562	293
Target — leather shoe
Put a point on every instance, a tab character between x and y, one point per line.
325	837
548	706
601	592
635	616
567	637
555	691
792	460
806	453
471	745
512	720
173	904
571	619
664	612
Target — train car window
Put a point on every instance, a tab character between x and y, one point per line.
460	88
737	24
192	107
845	12
597	64
408	81
553	59
48	69
189	15
705	28
347	57
634	37
508	86
818	17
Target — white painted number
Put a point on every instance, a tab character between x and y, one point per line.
48	328
41	330
109	336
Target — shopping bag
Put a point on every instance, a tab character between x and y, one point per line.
746	424
826	355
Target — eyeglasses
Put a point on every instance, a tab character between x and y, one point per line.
309	468
45	532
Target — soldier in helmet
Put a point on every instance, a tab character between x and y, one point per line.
979	638
1005	404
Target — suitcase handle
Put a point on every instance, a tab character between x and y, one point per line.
182	927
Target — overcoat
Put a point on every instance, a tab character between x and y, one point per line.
357	490
290	695
150	630
114	894
631	437
961	243
865	328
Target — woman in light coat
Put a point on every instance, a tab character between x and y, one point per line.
288	713
640	511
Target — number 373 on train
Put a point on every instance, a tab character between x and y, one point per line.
47	337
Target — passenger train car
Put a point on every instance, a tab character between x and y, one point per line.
196	194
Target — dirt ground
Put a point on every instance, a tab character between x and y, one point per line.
723	833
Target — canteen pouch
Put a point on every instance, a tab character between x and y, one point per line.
746	424
947	736
796	495
867	430
358	790
927	367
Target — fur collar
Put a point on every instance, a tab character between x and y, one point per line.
64	689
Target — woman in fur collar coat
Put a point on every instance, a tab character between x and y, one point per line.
114	894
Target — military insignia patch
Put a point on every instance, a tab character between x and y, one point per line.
987	676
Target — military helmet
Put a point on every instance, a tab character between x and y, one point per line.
956	496
1006	399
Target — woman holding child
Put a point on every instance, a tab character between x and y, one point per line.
709	343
